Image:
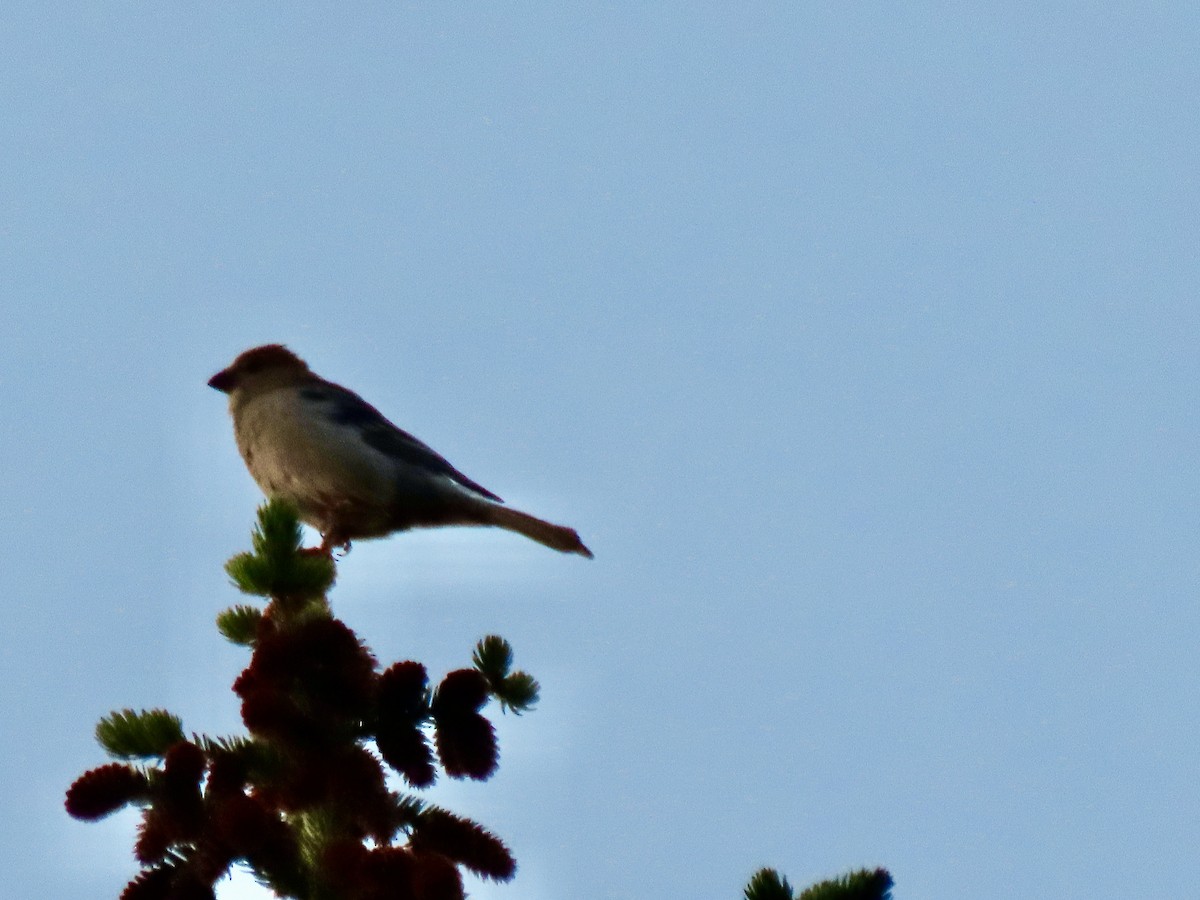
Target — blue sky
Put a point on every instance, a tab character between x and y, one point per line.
859	343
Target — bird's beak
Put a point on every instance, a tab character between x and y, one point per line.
222	381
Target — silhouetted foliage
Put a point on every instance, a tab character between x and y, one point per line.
865	884
299	799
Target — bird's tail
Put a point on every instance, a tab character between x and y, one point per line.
556	537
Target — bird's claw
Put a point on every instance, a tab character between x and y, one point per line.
331	542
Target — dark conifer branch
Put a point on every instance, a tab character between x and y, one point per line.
303	801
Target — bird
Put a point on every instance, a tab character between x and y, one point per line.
349	472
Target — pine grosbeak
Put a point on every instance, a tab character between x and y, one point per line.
349	471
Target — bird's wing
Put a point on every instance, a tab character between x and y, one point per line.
344	407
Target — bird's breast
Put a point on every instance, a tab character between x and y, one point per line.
293	451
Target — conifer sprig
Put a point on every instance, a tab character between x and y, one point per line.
298	799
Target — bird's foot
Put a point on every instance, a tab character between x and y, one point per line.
331	542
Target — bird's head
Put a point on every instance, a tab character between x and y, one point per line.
266	366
